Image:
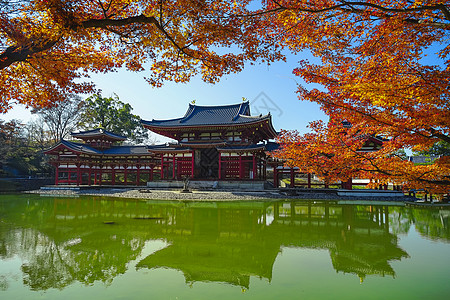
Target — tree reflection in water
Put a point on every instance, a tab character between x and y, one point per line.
66	240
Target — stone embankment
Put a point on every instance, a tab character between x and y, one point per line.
207	195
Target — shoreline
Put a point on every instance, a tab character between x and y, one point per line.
211	195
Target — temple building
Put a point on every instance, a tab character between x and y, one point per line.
212	143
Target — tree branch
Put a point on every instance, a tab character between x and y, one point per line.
433	132
17	53
351	6
103	23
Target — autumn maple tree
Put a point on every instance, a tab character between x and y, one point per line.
49	47
384	68
372	68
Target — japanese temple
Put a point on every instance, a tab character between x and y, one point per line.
212	143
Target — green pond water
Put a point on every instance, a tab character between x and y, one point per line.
109	248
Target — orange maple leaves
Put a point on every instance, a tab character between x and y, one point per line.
373	69
49	45
373	74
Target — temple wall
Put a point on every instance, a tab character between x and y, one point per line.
208	184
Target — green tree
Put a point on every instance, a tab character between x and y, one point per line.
112	115
21	152
439	148
9	138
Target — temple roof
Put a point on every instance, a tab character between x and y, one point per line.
96	133
211	115
272	146
126	150
77	147
146	150
86	149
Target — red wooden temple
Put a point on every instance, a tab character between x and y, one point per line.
212	143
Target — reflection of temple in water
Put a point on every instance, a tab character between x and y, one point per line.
240	242
218	242
357	237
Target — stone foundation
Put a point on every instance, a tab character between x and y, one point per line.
369	193
208	184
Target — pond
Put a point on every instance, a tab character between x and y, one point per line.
110	248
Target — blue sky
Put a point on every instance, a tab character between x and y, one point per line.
268	88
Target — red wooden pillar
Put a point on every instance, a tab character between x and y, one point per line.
265	169
100	177
292	178
125	173
258	168
309	180
162	166
348	185
220	165
254	167
240	166
138	174
173	166
57	174
192	164
113	175
78	174
89	174
179	168
275	176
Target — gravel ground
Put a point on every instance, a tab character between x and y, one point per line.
207	195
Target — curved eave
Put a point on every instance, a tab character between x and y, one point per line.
56	148
68	145
273	133
243	149
166	130
180	126
84	137
203	145
106	155
116	151
97	133
169	150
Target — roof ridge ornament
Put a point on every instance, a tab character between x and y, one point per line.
189	112
241	110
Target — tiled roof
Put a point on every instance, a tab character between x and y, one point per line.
115	150
98	132
272	146
79	147
126	150
211	115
